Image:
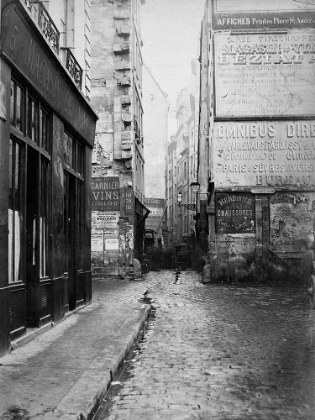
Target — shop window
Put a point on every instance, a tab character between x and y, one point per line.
17	106
68	150
73	154
32	119
15	213
79	224
43	219
45	130
79	158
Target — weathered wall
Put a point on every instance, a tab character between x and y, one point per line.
155	136
262	141
118	136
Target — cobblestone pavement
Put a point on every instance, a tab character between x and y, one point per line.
219	352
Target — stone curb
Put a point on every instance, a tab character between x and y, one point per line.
95	382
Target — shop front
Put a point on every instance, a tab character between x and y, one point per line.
47	133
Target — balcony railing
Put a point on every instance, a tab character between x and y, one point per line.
52	34
29	4
48	27
73	67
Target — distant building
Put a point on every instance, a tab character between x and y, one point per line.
118	209
182	163
257	131
155	128
47	130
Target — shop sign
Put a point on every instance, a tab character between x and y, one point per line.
256	14
22	48
97	241
111	244
102	220
265	75
277	154
293	19
105	193
235	213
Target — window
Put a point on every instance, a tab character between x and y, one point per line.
32	119
73	153
30	146
15	213
43	219
44	137
185	170
68	150
17	106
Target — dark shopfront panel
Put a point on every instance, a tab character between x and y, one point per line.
44	215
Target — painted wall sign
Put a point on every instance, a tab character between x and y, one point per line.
22	48
235	213
102	219
105	193
266	75
277	154
293	19
156	207
97	241
111	245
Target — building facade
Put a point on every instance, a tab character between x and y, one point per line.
47	133
155	128
119	213
257	107
182	163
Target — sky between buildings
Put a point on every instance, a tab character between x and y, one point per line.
170	33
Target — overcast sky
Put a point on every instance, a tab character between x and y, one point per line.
170	33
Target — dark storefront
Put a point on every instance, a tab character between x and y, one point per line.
47	132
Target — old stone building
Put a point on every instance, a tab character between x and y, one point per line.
257	131
47	133
155	150
118	210
182	163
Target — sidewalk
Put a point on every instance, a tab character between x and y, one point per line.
64	373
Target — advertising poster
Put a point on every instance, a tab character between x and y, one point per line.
265	75
278	154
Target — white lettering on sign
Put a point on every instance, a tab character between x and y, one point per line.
261	153
265	75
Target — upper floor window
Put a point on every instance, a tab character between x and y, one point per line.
29	116
33	119
17	114
73	153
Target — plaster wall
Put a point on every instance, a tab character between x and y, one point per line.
155	136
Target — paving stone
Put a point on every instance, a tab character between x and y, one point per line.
222	352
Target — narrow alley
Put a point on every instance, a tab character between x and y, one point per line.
218	352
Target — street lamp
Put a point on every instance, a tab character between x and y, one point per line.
179	198
191	207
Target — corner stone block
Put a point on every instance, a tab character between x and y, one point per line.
125	100
122	13
122	65
127	135
126	154
126	81
126	117
123	29
121	47
126	145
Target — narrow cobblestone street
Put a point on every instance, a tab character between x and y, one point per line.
219	352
